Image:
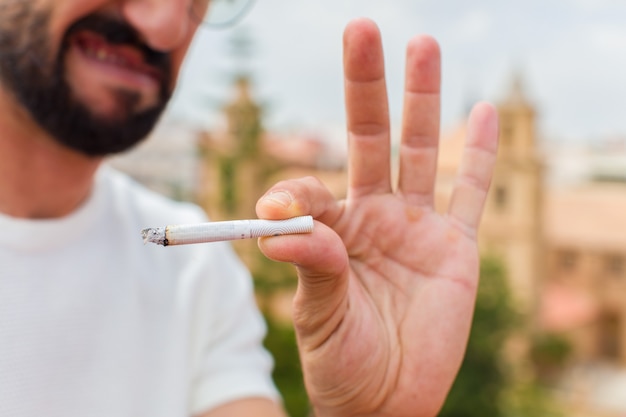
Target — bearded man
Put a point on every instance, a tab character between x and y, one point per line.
92	323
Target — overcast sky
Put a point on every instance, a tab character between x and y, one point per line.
571	55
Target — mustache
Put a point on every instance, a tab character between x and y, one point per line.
117	32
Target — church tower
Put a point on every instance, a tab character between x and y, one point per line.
512	223
235	169
235	164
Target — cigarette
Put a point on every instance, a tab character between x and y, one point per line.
185	234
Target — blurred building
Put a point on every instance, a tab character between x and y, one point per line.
564	247
167	162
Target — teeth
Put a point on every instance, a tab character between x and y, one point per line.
103	55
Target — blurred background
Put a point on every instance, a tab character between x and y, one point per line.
263	100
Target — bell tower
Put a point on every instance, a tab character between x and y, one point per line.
512	226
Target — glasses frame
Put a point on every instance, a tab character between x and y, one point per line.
203	22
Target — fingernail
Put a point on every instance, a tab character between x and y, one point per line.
280	198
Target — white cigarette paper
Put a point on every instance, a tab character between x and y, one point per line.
185	234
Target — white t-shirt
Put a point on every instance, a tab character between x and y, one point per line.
93	323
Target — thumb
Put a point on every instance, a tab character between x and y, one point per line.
322	265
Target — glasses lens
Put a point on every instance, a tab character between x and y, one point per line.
221	13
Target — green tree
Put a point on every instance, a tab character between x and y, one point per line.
281	342
273	278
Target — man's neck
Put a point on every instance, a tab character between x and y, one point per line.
39	178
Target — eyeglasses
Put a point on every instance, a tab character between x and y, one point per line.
219	13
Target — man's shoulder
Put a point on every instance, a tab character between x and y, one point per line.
130	198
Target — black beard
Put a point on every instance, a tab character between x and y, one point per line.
37	80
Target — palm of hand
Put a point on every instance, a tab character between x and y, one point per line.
398	338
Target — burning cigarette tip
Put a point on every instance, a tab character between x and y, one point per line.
154	235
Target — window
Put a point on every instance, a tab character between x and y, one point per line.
614	265
568	260
500	196
506	133
609	337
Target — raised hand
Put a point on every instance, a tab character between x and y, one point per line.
386	284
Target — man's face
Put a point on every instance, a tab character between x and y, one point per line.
92	77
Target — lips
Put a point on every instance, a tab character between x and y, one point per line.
127	57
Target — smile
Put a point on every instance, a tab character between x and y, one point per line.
126	58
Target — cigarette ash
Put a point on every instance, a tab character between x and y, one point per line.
154	235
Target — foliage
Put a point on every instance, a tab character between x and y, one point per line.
549	353
227	178
529	399
281	342
272	278
550	349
